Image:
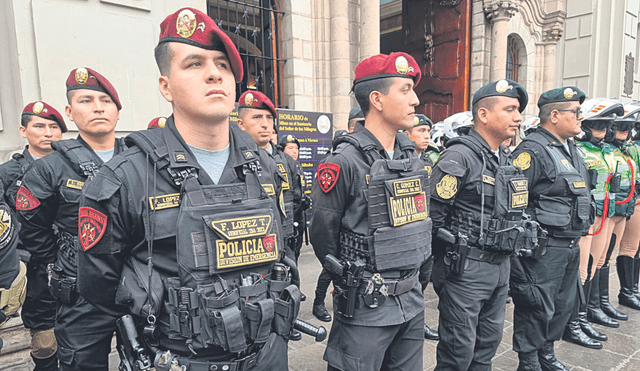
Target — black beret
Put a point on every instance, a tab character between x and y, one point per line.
558	95
503	88
420	119
288	139
356	113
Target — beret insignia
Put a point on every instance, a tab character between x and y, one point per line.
402	65
416	120
38	107
447	187
290	138
569	93
162	122
502	86
186	23
248	100
82	75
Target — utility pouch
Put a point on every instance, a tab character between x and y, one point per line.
286	309
614	183
258	317
222	322
62	288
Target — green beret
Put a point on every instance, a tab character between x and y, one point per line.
420	119
503	88
559	95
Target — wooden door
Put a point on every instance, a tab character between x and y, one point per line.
437	33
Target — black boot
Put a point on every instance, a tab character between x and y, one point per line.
430	334
636	276
573	333
46	364
528	361
625	274
548	360
605	304
594	312
321	313
582	317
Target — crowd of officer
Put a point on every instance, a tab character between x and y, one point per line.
183	239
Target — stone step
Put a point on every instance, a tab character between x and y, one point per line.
15	353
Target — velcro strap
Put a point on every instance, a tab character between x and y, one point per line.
260	315
253	290
278	286
225	301
397	287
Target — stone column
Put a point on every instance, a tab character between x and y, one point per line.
340	66
550	38
369	28
499	12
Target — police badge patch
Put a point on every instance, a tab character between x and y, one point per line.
523	161
6	226
447	187
328	174
91	227
25	200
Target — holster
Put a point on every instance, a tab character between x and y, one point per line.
456	256
64	289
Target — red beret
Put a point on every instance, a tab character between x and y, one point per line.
257	100
193	27
86	78
393	65
42	109
157	122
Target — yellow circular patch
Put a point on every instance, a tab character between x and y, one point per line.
38	107
402	65
186	23
248	100
523	161
569	93
162	122
447	187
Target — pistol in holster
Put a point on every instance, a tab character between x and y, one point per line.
350	273
533	243
133	356
457	250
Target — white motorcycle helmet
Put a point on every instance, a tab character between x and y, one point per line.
458	124
528	126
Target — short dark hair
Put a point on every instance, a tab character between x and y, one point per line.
241	111
25	120
487	103
163	55
547	108
70	94
362	90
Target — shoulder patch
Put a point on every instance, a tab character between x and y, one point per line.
25	200
328	174
447	187
6	226
281	204
91	227
523	161
268	187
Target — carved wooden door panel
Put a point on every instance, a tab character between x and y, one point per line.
437	34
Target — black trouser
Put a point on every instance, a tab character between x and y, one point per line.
544	292
39	309
84	336
324	280
396	347
472	310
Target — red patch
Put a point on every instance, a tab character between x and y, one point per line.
328	174
91	226
269	243
419	200
25	200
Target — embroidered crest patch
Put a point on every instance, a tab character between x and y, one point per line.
25	200
91	227
328	174
447	187
523	161
6	226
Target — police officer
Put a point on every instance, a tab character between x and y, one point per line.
41	125
190	242
47	204
597	155
420	133
471	255
544	290
355	116
371	227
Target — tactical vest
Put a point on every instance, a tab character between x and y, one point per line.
597	160
232	288
564	208
397	191
622	166
287	191
509	189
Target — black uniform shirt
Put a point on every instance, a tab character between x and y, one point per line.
11	171
119	192
456	185
345	207
55	187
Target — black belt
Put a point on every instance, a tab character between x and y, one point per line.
483	256
562	242
395	286
242	364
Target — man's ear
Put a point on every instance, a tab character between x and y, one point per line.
375	100
241	124
163	85
483	115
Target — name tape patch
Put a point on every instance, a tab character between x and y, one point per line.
285	183
75	184
269	189
237	228
246	251
407	187
519	199
407	209
489	180
164	201
520	185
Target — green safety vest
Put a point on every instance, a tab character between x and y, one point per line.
598	159
626	182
